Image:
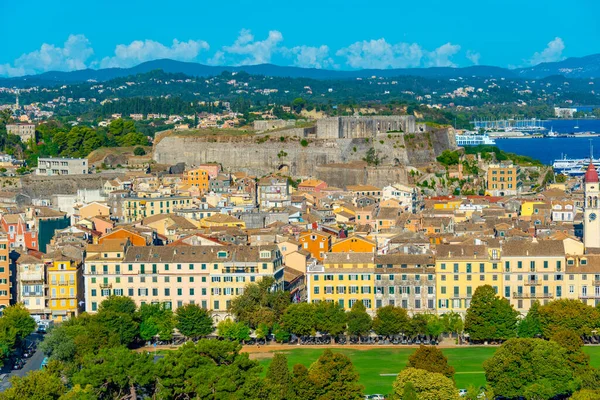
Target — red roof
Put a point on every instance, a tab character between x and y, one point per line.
591	175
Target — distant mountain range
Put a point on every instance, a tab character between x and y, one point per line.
575	67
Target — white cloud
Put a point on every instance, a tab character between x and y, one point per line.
138	51
257	51
72	56
473	57
381	54
552	52
310	57
217	59
440	57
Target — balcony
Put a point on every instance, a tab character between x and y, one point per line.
63	283
595	283
533	282
532	295
105	285
239	270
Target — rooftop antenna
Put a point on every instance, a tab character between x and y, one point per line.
591	151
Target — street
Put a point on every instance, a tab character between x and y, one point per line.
33	363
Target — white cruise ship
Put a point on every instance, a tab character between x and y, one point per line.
471	139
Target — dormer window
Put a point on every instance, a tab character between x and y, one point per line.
222	254
583	261
265	254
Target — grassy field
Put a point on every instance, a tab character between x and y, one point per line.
467	361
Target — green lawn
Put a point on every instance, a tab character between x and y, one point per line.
467	361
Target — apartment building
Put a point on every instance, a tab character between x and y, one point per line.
65	286
503	179
405	280
136	208
6	275
210	276
533	271
460	270
31	284
582	278
344	278
273	191
61	166
199	178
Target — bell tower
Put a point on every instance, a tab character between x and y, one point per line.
591	211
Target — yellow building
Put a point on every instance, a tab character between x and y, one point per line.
528	207
199	178
344	278
503	179
460	270
582	279
447	205
65	286
136	208
533	271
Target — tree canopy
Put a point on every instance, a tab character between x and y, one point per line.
431	359
530	367
490	317
424	384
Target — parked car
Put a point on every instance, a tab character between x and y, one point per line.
377	397
19	363
462	392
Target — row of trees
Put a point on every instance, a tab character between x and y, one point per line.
492	318
208	369
119	323
265	310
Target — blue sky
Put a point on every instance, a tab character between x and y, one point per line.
39	36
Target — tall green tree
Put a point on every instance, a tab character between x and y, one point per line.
260	304
535	367
427	385
299	319
194	321
19	318
334	377
37	385
330	318
118	304
156	320
568	314
231	330
359	322
490	317
453	322
531	326
209	369
116	373
432	359
390	321
279	377
302	386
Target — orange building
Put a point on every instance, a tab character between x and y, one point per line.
5	275
197	177
354	244
136	239
316	243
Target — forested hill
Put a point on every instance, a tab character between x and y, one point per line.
574	67
259	90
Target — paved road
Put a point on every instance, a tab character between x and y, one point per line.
33	364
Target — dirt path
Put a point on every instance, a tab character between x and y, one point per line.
271	348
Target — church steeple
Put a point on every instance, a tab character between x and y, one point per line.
591	175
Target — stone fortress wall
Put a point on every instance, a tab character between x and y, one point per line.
335	140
